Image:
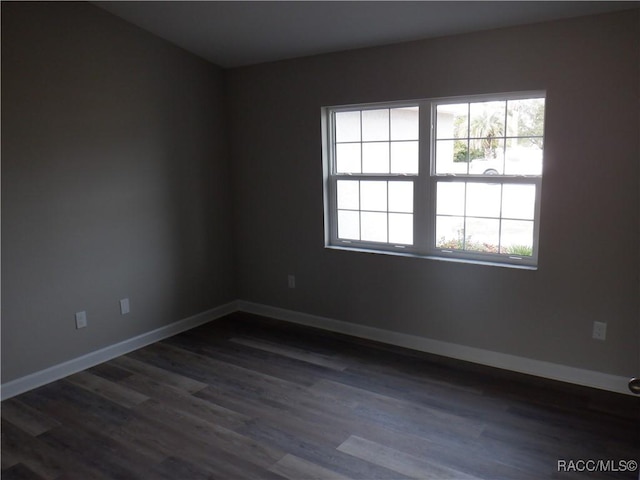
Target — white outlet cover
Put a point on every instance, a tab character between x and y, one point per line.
124	306
600	330
81	319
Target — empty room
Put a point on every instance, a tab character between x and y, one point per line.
320	240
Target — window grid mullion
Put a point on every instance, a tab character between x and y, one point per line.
361	146
388	212
389	136
464	218
359	182
359	211
468	140
388	167
500	223
423	203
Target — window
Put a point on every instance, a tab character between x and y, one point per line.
446	178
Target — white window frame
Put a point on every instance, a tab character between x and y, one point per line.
425	184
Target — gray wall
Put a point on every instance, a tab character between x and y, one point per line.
115	183
588	266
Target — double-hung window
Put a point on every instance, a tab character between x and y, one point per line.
443	178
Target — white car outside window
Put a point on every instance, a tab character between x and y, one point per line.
523	161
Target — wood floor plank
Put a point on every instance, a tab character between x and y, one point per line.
407	416
28	451
85	411
291	352
276	396
225	439
49	463
170	442
227	377
26	418
178	441
399	462
465	402
311	425
99	452
70	403
469	456
110	371
107	389
295	468
158	374
20	472
178	468
8	460
318	453
263	361
580	422
185	403
206	366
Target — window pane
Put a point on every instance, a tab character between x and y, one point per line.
486	156
486	119
451	156
523	156
375	125
452	121
375	157
525	118
401	228
348	225
401	197
348	126
404	123
517	238
404	157
374	227
518	201
450	232
348	195
373	196
348	158
450	198
483	235
483	200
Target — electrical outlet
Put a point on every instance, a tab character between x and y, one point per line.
291	279
124	306
599	330
81	319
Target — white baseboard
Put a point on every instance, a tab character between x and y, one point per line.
504	361
75	365
539	368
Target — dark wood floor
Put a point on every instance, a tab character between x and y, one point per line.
248	397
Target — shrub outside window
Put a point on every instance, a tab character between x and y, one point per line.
446	178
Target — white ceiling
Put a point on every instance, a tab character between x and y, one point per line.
233	33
